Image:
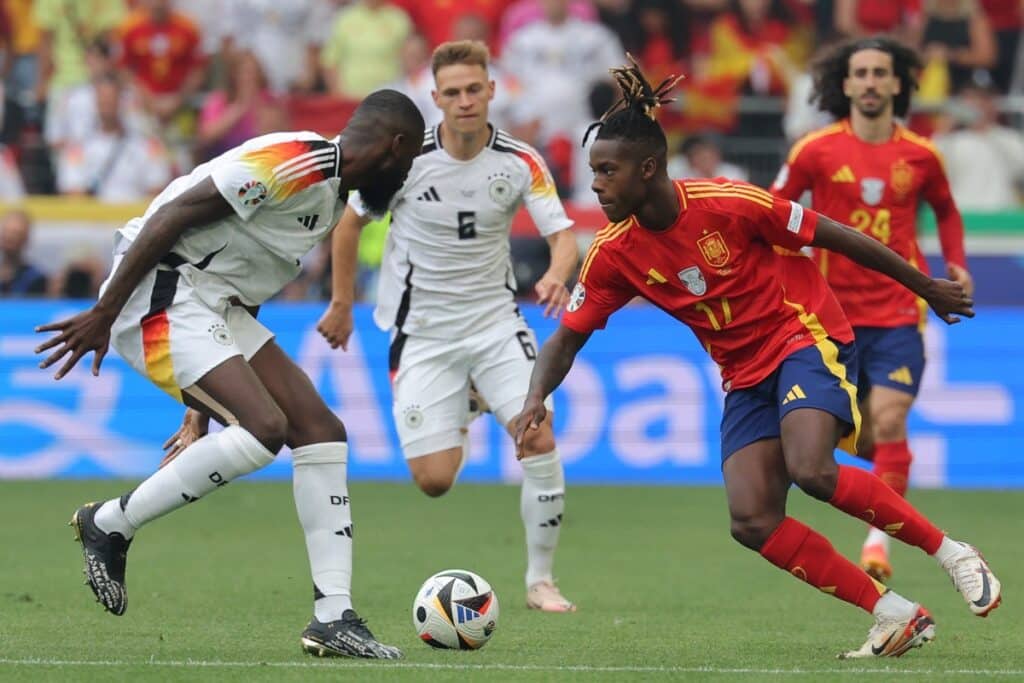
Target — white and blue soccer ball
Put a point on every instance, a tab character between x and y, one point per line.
455	609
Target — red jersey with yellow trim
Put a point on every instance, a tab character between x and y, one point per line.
283	190
729	268
875	188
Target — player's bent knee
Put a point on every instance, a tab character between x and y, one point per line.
324	427
890	429
753	532
816	479
270	428
434	484
538	441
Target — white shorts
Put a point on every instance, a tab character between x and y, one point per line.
170	335
431	385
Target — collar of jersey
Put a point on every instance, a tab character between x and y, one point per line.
490	142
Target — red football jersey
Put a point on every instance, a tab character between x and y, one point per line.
875	188
160	55
729	268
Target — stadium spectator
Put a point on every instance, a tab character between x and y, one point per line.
958	45
602	96
1007	20
437	21
18	277
524	12
416	81
984	160
81	275
244	109
285	37
364	46
160	51
74	45
701	157
660	37
21	63
114	163
12	187
859	18
558	59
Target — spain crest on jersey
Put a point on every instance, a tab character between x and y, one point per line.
901	177
694	280
714	249
871	191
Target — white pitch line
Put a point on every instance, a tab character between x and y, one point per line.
583	668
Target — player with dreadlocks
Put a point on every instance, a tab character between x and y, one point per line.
724	259
872	173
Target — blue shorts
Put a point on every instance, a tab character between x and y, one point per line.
889	357
814	377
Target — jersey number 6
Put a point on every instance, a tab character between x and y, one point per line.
467	225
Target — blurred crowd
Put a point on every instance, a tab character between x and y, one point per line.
111	99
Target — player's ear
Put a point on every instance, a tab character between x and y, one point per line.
490	90
396	144
437	98
648	167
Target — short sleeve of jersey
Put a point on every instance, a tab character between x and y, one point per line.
596	296
269	175
782	222
796	175
540	195
355	201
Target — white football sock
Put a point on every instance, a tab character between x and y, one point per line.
207	464
319	482
877	537
893	606
541	504
947	549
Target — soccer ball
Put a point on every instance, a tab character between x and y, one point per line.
455	609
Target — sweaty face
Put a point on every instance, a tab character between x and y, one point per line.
463	93
870	83
391	173
618	179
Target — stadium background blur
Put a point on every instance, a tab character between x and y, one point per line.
105	101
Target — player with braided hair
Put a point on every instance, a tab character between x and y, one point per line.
724	259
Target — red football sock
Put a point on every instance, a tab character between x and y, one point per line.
865	496
892	464
808	556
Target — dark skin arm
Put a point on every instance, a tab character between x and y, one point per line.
948	299
90	331
553	364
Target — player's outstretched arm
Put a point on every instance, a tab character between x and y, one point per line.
550	288
948	299
90	331
553	364
336	323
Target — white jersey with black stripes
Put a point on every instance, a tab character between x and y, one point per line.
446	270
283	188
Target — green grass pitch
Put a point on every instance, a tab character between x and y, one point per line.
220	590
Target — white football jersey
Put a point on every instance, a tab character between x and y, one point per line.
446	269
283	188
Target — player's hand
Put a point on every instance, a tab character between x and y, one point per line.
194	426
551	291
961	276
336	325
532	416
85	332
948	299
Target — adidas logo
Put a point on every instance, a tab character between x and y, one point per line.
347	531
464	614
309	222
654	277
844	175
902	375
553	522
793	394
430	195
